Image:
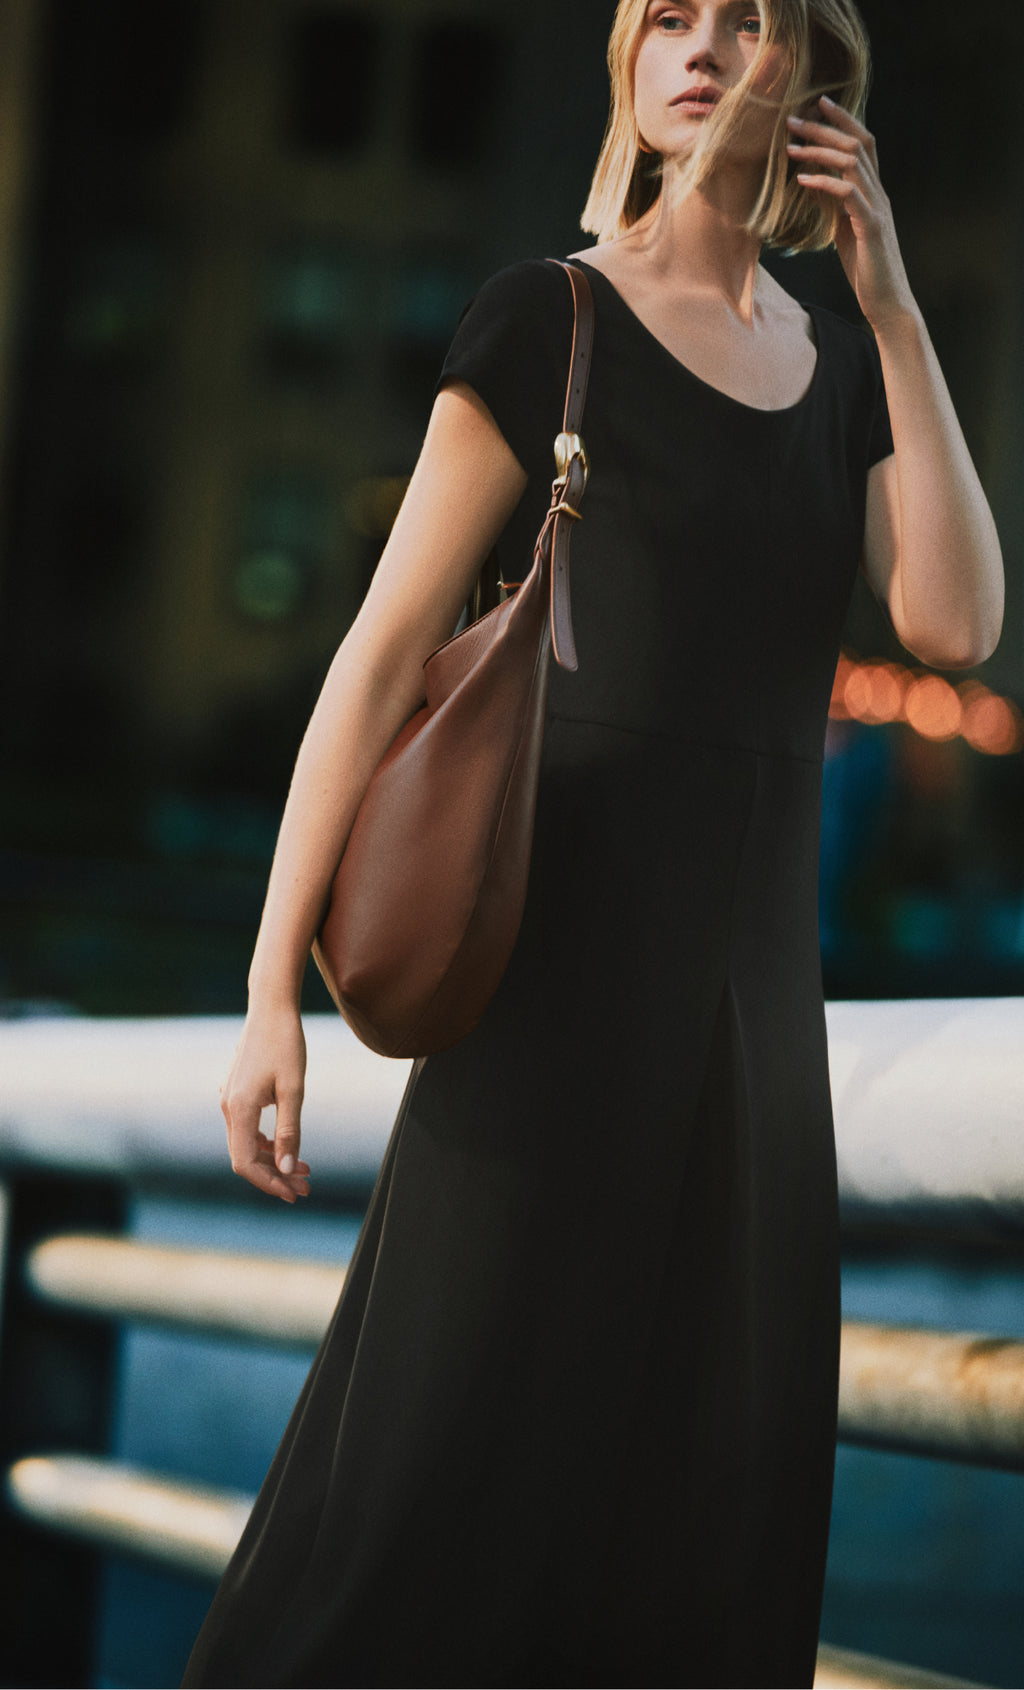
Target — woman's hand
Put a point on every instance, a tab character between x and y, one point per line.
837	157
268	1070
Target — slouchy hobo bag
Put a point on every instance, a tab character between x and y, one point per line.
427	901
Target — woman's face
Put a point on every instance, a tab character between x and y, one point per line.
691	53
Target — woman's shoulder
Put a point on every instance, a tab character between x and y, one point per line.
512	345
848	341
854	332
520	320
854	376
530	288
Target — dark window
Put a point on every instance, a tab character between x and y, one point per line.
331	60
121	71
458	71
100	535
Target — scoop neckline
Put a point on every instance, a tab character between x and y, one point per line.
730	399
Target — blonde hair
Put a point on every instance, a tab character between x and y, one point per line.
827	48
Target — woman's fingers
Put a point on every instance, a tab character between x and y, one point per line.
828	158
259	1169
257	1158
268	1072
842	119
264	1176
851	196
838	121
836	130
814	144
286	1133
252	1156
267	1149
839	161
807	129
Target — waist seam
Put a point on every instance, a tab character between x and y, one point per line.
685	739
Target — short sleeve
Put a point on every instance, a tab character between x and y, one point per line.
512	345
880	439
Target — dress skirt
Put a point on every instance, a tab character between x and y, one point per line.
573	1422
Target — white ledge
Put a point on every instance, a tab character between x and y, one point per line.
929	1101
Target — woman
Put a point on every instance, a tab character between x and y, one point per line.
574	1420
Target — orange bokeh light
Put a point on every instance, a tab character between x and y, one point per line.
933	708
837	707
993	725
874	692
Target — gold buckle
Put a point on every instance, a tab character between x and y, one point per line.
569	447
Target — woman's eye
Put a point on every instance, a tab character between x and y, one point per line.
673	24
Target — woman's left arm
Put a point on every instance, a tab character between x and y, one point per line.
931	552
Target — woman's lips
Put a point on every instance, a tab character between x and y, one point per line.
697	102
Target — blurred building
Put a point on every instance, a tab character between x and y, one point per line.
235	238
253	226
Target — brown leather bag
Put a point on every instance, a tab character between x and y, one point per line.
427	901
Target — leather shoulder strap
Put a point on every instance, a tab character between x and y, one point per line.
572	466
582	348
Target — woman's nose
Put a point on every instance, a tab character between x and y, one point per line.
706	42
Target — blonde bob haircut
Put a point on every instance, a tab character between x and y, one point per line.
826	45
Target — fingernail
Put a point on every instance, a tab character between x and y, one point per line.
825	101
287	1164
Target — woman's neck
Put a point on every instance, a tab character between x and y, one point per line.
698	244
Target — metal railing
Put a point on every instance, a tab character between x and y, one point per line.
262	1297
900	1388
129	1099
188	1527
193	1529
958	1395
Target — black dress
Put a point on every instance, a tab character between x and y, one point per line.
573	1422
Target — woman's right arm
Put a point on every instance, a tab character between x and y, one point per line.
465	487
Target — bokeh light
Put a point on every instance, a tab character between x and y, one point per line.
876	692
837	709
993	725
933	709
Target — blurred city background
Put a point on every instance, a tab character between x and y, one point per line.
235	239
